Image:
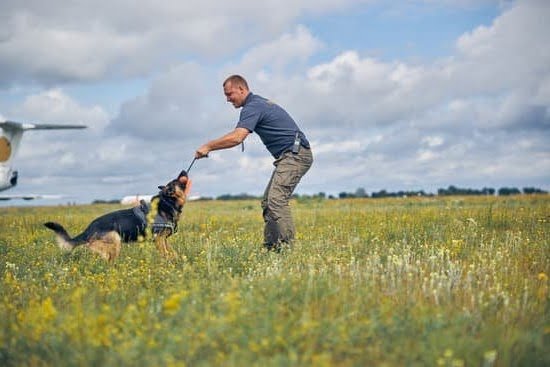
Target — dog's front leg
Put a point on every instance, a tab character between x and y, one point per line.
159	243
169	250
163	247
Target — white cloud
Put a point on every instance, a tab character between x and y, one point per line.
175	106
433	141
84	41
342	146
510	52
286	50
55	106
426	155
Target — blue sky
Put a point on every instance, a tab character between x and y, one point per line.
414	32
407	95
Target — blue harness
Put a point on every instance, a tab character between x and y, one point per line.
160	223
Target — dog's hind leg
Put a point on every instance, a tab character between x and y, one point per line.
107	246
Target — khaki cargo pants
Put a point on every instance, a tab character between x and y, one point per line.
289	169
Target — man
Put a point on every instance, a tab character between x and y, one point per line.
286	143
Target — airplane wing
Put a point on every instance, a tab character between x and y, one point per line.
30	126
29	197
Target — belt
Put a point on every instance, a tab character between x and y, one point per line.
290	150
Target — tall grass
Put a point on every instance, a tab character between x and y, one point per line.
392	282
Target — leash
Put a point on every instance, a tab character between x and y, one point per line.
193	162
191	165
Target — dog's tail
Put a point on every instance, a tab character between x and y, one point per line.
64	241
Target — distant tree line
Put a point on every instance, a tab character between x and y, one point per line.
101	201
503	191
453	190
361	193
450	191
242	196
532	190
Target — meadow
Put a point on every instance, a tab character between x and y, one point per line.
452	281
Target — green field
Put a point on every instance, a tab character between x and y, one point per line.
389	282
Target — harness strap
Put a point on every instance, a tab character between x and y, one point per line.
141	212
158	224
161	223
158	227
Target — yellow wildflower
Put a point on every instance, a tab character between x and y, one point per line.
172	304
48	310
490	357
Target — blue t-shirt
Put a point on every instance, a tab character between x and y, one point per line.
272	123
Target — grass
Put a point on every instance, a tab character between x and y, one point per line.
388	282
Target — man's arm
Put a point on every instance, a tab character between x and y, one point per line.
229	140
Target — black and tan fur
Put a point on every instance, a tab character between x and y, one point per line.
105	233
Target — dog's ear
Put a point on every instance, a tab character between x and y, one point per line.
161	187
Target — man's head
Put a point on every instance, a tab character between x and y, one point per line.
236	90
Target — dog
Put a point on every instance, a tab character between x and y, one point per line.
105	234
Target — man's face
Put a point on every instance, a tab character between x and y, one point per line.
235	94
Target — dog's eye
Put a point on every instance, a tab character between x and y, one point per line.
171	190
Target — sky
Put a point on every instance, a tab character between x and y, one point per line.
393	95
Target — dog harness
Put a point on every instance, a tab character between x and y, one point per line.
160	223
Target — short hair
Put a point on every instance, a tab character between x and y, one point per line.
236	80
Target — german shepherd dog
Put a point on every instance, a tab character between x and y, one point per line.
105	234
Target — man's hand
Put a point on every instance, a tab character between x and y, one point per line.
202	152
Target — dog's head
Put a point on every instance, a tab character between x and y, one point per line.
177	189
